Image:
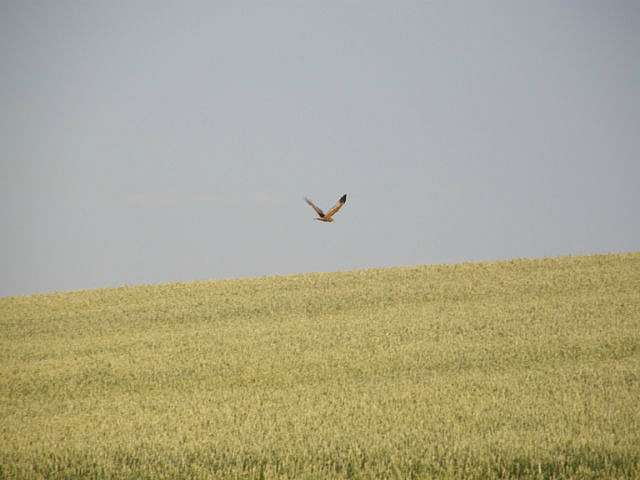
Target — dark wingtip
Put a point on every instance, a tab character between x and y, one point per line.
343	198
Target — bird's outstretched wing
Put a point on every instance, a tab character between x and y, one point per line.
337	206
318	211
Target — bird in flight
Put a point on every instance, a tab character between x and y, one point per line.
328	217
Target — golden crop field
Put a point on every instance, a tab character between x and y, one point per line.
524	368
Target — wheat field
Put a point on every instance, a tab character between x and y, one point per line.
524	368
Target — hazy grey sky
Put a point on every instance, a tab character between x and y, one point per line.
147	142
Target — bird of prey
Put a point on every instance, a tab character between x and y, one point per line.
328	217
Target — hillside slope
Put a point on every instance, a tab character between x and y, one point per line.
518	368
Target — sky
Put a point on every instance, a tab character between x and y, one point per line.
147	142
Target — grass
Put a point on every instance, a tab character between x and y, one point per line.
525	368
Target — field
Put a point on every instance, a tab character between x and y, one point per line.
525	368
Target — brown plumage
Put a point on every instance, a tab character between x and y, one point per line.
328	217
